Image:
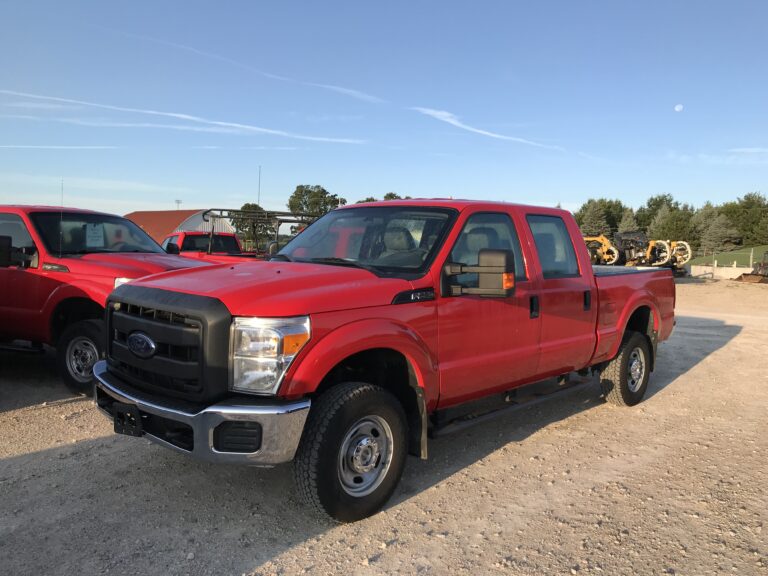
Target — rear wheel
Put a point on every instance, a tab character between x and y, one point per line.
81	345
352	452
625	378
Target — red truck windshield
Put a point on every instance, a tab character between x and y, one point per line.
388	239
85	233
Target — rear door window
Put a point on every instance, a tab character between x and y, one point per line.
554	247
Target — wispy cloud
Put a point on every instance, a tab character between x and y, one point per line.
453	120
250	128
749	150
40	106
21	181
733	156
343	90
55	147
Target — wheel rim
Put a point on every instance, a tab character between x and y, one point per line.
365	456
635	369
81	356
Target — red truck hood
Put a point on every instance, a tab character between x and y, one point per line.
128	264
283	288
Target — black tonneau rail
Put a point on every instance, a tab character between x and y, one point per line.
602	270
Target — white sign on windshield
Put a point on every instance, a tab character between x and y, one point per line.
94	236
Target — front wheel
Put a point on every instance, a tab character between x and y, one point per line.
625	378
81	345
352	452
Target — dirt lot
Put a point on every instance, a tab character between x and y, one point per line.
677	485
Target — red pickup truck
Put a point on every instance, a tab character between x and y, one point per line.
379	324
57	267
216	247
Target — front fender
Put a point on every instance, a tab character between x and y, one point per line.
360	336
78	290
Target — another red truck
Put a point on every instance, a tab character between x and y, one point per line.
379	324
57	266
216	247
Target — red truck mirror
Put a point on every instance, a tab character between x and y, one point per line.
495	271
172	248
5	251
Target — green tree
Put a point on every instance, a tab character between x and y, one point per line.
612	211
395	196
700	222
593	221
628	222
745	214
313	200
760	233
253	228
369	199
646	214
720	235
671	224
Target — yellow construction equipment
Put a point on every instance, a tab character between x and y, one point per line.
601	251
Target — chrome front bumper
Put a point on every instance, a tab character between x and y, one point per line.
281	422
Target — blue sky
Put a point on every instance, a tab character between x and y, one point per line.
140	103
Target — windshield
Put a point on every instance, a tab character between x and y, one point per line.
199	243
84	233
386	239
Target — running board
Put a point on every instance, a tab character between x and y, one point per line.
27	349
505	404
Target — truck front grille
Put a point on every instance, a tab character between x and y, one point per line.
190	333
175	368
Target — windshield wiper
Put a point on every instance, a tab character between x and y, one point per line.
342	262
280	257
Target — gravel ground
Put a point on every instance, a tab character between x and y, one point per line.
676	485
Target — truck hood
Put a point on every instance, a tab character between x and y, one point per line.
282	288
127	264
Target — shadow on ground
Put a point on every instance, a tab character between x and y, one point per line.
121	505
29	378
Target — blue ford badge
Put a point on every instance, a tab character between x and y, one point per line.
141	345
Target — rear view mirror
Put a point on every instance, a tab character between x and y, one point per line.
495	271
172	248
5	251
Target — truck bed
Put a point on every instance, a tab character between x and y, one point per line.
617	288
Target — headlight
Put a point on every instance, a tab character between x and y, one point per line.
121	281
262	349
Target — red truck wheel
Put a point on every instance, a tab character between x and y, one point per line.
625	378
81	345
352	452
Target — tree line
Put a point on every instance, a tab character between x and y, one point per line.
742	222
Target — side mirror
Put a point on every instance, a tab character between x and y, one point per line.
5	251
495	271
272	248
172	248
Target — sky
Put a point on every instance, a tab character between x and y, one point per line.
135	105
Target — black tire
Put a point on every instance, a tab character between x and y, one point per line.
625	378
80	346
340	417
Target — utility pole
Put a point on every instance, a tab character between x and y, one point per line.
178	204
258	194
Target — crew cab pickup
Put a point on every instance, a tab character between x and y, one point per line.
57	267
214	247
379	324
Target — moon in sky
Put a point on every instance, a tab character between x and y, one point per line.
678	107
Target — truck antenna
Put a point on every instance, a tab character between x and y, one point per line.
61	217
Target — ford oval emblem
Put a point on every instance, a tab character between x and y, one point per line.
141	345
